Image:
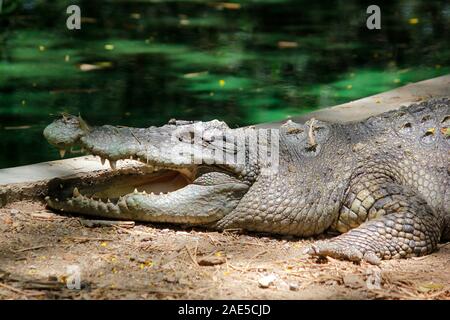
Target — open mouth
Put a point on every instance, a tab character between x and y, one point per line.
163	189
110	186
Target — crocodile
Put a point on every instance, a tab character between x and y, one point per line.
380	186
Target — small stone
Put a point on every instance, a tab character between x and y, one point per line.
210	261
266	281
293	287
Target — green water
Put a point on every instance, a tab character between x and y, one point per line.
140	63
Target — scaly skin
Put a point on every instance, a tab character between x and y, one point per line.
383	183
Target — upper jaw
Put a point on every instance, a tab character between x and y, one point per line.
174	146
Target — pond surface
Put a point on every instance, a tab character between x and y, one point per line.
141	63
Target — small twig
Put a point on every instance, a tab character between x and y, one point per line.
232	230
11	288
195	251
254	244
191	256
214	241
254	257
84	239
31	248
46	216
106	223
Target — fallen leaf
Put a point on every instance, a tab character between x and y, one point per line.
194	74
228	5
287	44
210	261
429	286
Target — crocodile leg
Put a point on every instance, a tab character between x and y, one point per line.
404	226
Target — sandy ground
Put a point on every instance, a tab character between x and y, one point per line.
39	248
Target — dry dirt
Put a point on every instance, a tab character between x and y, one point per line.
165	262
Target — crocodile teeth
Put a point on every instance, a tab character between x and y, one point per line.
136	191
76	193
112	163
143	192
102	160
62	152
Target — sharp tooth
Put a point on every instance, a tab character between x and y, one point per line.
56	199
62	152
76	193
144	192
112	163
108	201
131	157
152	194
102	160
136	191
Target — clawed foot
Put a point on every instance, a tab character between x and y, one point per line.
343	252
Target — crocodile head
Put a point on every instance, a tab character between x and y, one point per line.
194	173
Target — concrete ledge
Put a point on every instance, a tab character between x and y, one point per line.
31	181
366	107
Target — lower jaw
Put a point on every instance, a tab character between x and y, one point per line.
110	194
